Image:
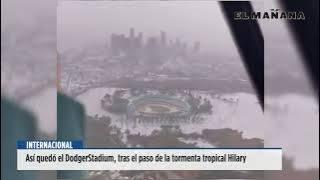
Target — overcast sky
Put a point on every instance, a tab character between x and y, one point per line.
80	23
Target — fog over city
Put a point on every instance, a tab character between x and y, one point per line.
185	20
77	21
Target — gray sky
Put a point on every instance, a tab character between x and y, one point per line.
81	22
26	13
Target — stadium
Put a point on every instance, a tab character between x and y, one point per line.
158	108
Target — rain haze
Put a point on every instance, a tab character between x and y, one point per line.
210	84
83	23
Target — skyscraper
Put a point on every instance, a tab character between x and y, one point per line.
132	42
163	39
196	47
140	40
113	44
131	34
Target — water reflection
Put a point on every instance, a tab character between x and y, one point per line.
278	126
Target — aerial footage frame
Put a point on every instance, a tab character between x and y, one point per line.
137	84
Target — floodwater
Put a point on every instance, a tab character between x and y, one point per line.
289	121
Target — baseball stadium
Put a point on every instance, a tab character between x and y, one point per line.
158	108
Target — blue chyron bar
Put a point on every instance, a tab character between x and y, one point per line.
70	126
49	144
16	124
249	41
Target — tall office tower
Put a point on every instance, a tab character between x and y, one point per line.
171	44
131	42
151	43
121	42
177	47
140	40
152	50
184	48
196	47
113	44
178	43
131	34
163	39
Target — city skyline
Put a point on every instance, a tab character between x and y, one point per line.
134	41
82	24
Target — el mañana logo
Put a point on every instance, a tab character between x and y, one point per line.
272	14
